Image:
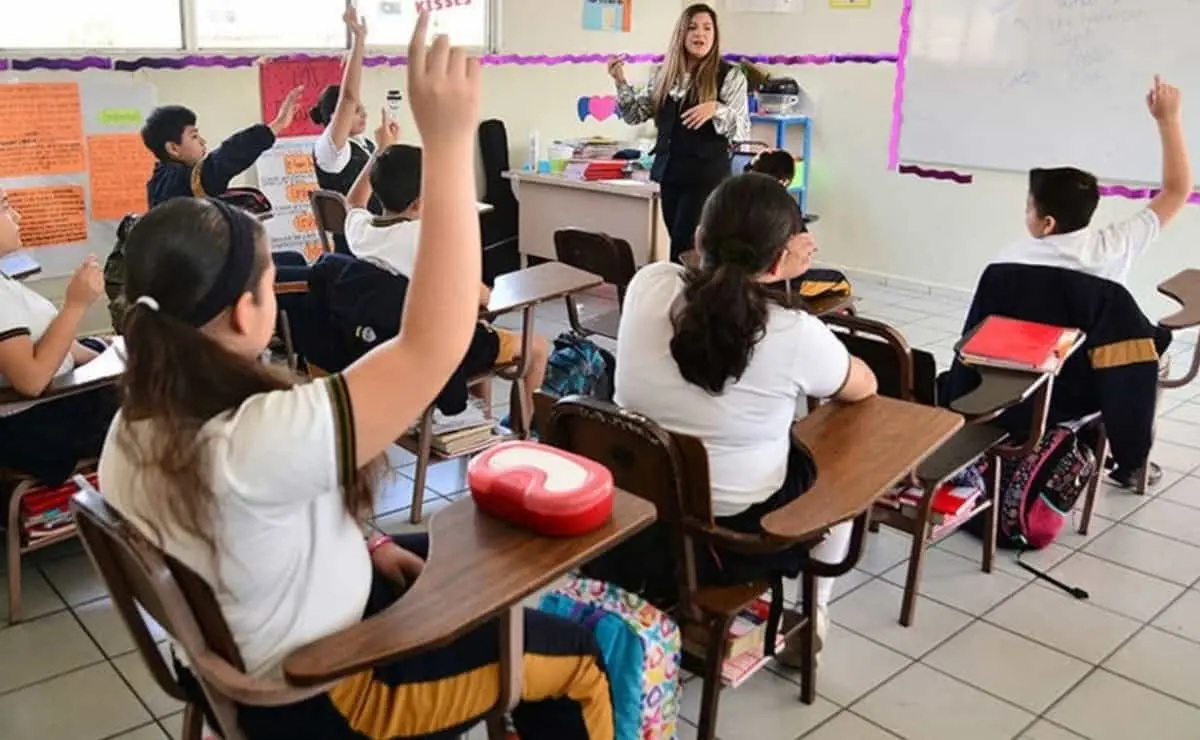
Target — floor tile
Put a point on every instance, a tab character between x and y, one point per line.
959	582
103	622
75	579
37	598
894	315
767	707
1174	456
398	457
842	586
1170	519
1161	661
923	704
146	732
1009	666
967	545
849	726
920	336
444	477
949	325
1044	730
1117	588
1108	707
1185	491
41	648
1074	627
1117	503
394	493
1178	432
873	611
87	704
1070	537
852	665
135	672
173	726
1183	617
1185	412
1149	553
884	550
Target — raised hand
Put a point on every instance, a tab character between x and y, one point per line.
287	111
388	131
443	88
356	24
1164	100
616	69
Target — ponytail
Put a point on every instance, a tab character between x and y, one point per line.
722	317
322	113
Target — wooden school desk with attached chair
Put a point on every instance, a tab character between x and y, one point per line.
623	209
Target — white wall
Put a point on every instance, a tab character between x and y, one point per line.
899	225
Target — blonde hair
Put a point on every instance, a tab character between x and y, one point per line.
675	65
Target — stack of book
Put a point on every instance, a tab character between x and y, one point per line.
747	638
45	512
950	502
1013	344
469	431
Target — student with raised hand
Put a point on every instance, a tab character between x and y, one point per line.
258	484
37	344
341	151
705	352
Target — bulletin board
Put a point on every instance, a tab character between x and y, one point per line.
73	164
286	175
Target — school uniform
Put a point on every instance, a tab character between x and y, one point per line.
338	169
48	439
746	429
210	176
689	163
1107	252
1115	372
290	567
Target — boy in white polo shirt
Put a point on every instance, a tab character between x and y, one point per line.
389	241
1062	201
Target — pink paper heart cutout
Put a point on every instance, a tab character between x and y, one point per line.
602	107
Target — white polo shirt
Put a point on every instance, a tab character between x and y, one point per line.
25	313
291	565
746	429
1107	253
390	244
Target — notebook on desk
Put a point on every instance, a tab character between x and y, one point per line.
101	371
1012	344
18	265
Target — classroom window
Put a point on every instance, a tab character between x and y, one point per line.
269	24
93	24
390	22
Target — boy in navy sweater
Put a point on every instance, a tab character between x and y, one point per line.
185	166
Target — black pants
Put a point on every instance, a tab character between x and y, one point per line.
290	267
681	207
442	693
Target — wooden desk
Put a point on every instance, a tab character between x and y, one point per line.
478	568
626	209
103	370
19	265
538	284
861	451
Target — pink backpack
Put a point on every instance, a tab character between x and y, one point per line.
1039	491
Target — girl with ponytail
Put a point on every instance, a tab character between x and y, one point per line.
705	352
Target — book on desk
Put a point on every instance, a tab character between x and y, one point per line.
1013	344
101	371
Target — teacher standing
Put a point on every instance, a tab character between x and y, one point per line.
699	104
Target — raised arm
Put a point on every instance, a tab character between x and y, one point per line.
393	383
732	116
1165	105
29	365
636	106
350	91
385	135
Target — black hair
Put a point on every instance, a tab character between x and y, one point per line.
165	125
322	113
1068	195
744	228
776	163
396	177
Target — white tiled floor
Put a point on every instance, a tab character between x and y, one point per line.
990	656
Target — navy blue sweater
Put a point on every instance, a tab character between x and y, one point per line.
211	175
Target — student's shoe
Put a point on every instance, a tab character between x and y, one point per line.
791	655
1126	478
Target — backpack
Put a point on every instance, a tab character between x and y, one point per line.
1038	492
578	367
114	275
642	651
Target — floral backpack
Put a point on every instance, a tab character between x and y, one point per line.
642	650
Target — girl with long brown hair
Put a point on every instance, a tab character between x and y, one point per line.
258	483
699	103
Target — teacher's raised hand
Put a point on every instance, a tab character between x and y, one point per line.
616	69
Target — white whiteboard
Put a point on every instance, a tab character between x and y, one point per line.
1017	84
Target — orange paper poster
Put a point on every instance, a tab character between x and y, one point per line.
118	167
50	215
41	129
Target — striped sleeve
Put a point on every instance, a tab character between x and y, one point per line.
343	428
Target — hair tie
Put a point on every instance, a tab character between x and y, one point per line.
148	302
737	253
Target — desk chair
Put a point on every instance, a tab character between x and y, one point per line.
329	209
603	255
137	573
671	472
910	375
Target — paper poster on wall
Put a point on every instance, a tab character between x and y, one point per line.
286	176
41	129
51	215
608	15
278	78
118	167
764	6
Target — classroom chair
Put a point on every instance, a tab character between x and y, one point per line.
671	471
910	374
138	574
610	258
329	209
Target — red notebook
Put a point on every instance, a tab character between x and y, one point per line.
1017	345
